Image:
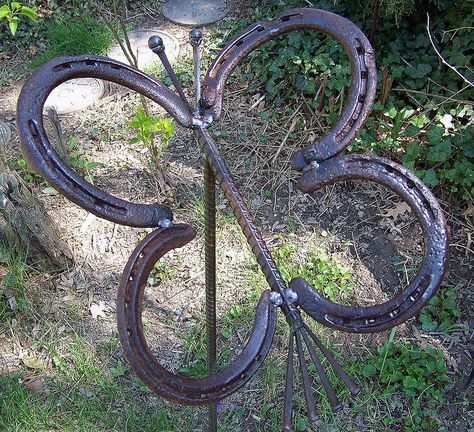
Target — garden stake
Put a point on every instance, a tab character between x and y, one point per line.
320	166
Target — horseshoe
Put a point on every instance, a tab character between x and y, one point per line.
356	46
429	215
41	155
173	386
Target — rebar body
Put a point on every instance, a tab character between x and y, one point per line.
210	269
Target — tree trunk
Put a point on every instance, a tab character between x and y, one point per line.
26	218
23	216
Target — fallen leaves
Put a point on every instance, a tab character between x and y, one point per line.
400	209
36	384
33	362
98	310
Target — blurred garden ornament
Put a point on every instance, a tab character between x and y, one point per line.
195	12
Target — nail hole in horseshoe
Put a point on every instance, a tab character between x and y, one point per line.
62	66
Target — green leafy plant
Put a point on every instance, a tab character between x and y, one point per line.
147	126
196	356
324	273
80	162
424	95
441	312
162	272
444	151
13	11
414	379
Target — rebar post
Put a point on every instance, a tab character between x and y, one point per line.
210	258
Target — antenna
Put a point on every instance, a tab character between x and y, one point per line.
195	37
155	43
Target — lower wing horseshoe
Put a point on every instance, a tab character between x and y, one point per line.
173	386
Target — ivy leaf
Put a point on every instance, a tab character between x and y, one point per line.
429	325
419	71
435	135
13	25
430	177
449	304
369	370
410	382
440	152
411	131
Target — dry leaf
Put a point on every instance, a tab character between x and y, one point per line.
400	208
469	212
33	362
85	392
98	310
35	383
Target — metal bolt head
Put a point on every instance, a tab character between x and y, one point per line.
290	295
276	299
165	223
314	166
156	44
195	36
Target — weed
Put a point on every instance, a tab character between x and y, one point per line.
80	162
77	36
162	272
414	379
324	273
28	174
441	312
16	271
196	354
13	11
147	126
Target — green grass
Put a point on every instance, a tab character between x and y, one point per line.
14	259
74	37
83	394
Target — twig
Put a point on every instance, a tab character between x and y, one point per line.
260	99
450	99
293	124
441	57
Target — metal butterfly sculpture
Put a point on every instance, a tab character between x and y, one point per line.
320	166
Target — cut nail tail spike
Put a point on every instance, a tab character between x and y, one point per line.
333	400
308	392
287	409
353	388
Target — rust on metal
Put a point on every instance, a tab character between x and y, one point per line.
320	165
431	219
175	386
